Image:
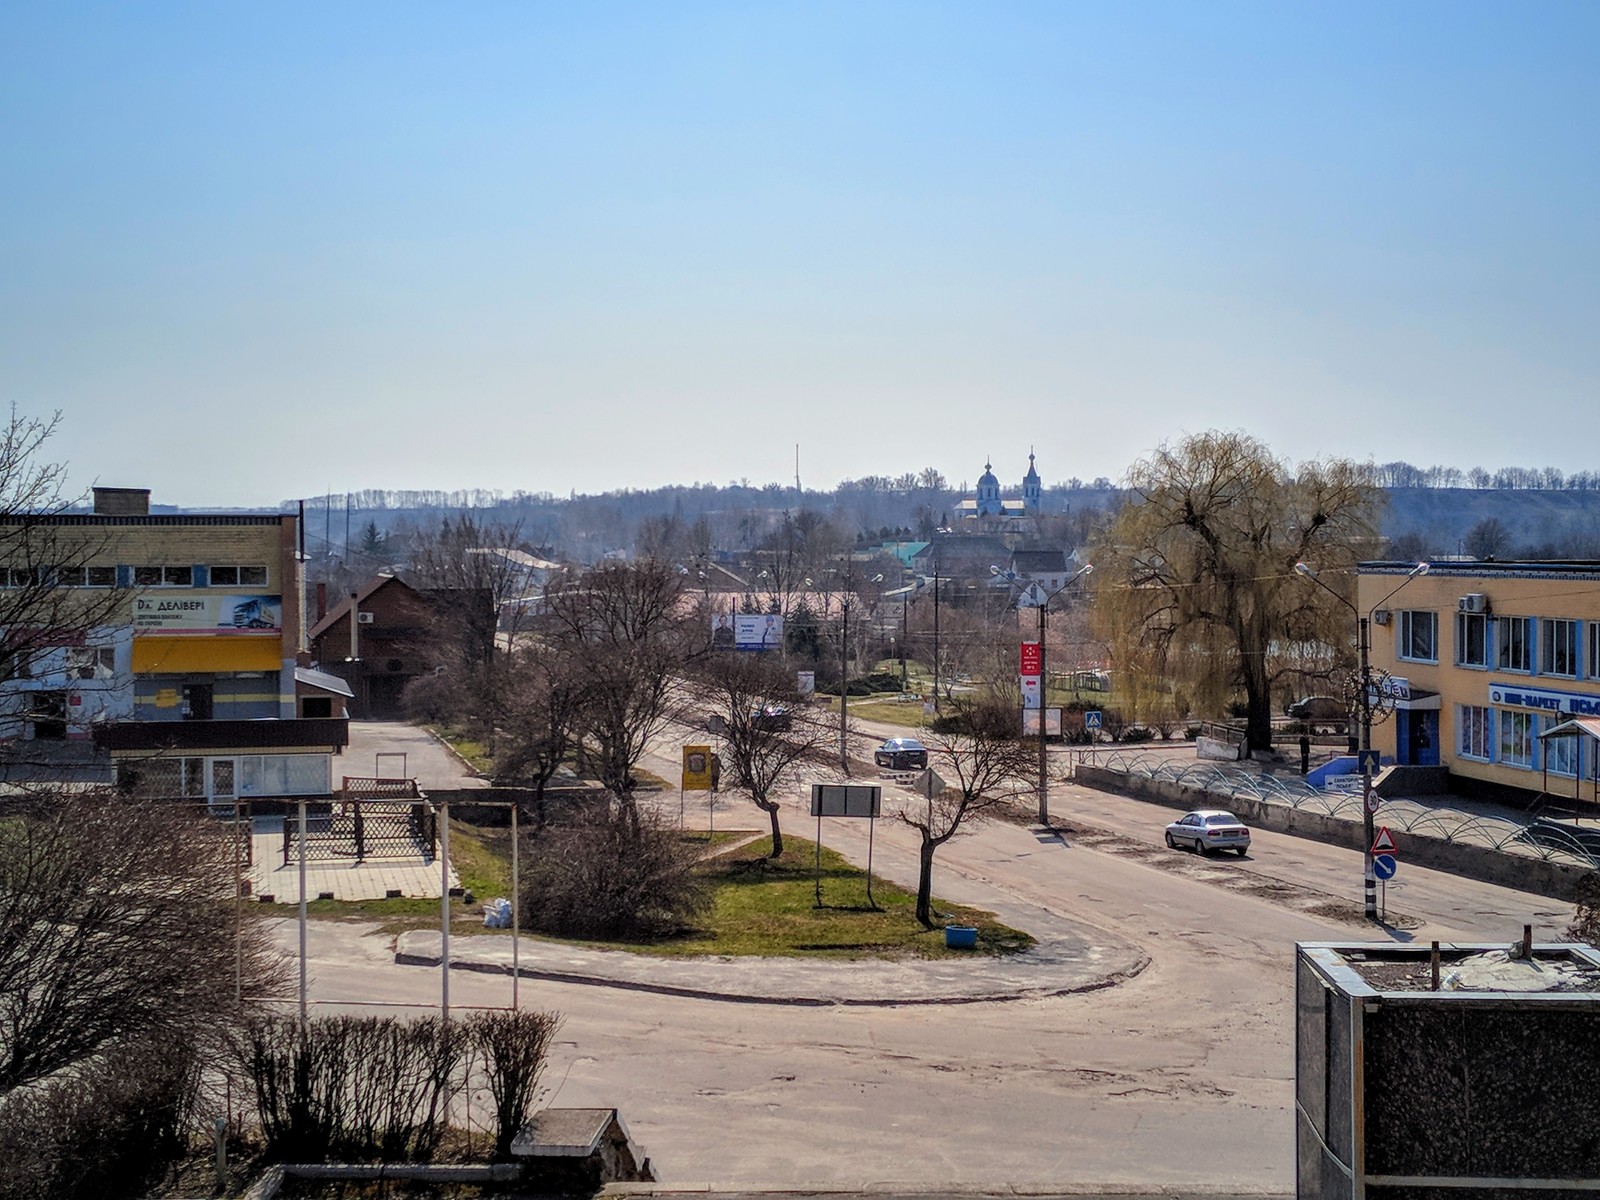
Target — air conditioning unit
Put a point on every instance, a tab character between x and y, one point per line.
1474	602
363	618
1382	617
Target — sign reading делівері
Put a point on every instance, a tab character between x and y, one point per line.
178	612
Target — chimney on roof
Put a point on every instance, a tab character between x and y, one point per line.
121	502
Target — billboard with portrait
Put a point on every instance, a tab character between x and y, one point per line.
758	631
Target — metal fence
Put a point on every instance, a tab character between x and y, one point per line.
358	830
1542	840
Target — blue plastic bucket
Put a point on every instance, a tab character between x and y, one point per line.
960	937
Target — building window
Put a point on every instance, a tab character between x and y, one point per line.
95	577
1472	731
1472	640
21	577
1513	643
284	775
91	662
1558	647
1560	753
163	576
239	576
1516	738
1419	636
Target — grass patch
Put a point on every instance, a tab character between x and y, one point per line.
475	752
765	908
761	907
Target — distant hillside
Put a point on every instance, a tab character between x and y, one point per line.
1536	523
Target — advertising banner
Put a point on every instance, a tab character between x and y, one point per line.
758	631
1032	659
722	631
697	768
186	612
1052	722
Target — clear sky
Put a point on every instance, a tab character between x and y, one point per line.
259	251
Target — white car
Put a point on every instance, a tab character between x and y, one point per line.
1208	829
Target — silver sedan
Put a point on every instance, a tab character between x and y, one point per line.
1209	829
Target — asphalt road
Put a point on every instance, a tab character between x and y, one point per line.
1180	1078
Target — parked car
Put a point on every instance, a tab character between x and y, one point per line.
771	718
1209	829
1319	708
901	754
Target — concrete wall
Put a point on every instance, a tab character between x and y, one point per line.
1556	880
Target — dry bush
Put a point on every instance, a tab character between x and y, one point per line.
511	1049
1585	925
113	1127
380	1089
611	874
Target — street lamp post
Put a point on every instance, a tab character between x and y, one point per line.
1044	677
1369	806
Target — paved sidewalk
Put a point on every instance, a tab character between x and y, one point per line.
346	879
1068	958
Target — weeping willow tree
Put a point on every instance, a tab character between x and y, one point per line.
1197	592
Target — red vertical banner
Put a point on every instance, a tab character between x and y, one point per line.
1032	659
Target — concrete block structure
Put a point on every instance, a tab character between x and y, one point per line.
1481	1090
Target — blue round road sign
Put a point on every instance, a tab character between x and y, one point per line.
1385	865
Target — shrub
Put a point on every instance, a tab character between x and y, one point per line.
1585	925
358	1088
512	1048
611	875
110	1128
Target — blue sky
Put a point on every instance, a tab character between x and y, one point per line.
254	252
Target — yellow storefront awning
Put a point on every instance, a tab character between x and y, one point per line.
180	655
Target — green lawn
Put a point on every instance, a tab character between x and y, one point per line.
760	907
766	908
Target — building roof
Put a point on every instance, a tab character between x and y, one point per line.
323	681
335	614
1038	562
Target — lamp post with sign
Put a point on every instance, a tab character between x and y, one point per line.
1043	603
1367	757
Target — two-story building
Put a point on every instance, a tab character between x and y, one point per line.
1498	665
183	670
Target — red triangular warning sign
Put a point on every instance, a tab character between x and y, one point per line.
1384	842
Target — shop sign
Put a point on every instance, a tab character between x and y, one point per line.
159	611
1574	703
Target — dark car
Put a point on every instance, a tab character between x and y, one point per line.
771	718
901	754
1319	708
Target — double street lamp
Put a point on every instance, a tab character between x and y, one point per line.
1369	881
1044	670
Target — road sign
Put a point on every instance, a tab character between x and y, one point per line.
928	784
1385	865
1367	762
1091	719
1373	800
1384	842
696	769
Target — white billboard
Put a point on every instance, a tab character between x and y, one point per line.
758	631
161	611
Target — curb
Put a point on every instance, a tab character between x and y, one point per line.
1111	979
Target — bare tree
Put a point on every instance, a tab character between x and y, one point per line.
59	590
620	628
541	708
767	734
116	928
1198	567
987	765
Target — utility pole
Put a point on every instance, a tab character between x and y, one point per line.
936	637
